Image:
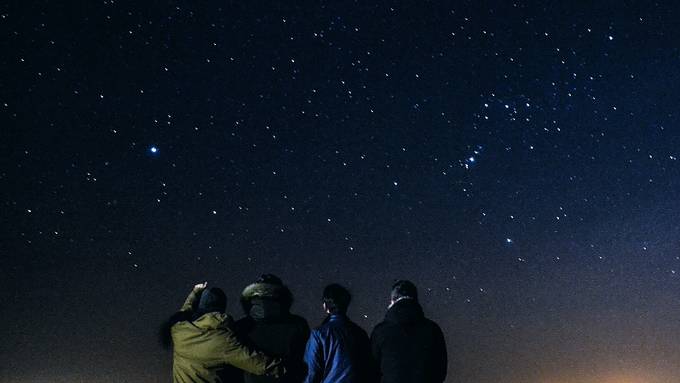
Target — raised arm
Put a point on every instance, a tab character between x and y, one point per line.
189	302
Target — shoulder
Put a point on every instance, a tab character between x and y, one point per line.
244	324
434	327
222	322
316	335
380	327
322	328
182	326
382	330
245	319
356	329
325	330
298	321
432	323
209	324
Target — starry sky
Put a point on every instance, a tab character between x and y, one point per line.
517	160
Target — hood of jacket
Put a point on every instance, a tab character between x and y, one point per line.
263	290
265	301
405	311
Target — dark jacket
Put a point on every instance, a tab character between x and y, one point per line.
204	347
338	352
407	347
270	327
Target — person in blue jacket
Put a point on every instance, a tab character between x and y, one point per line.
338	351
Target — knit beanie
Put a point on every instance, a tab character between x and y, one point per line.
212	299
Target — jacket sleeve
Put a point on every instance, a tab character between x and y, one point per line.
441	354
189	302
368	364
376	345
243	357
298	347
298	368
314	359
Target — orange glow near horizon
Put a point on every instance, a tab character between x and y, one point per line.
618	377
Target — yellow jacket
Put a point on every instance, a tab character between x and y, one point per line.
203	347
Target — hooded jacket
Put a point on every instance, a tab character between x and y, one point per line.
203	347
338	352
407	347
269	326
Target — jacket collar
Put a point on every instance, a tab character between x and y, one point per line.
405	311
398	299
212	320
336	318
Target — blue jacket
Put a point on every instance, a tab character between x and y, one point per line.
338	352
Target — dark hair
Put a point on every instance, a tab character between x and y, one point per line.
210	300
404	289
336	298
270	279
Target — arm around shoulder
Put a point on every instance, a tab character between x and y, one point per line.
245	358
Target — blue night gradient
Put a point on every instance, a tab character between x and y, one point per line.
517	160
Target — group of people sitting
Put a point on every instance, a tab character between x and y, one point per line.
272	345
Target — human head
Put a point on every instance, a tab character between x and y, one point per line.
267	287
212	299
336	299
403	289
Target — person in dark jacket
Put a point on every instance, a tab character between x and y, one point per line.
338	351
406	346
270	327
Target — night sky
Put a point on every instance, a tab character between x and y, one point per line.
517	161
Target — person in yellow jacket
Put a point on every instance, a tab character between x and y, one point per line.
204	344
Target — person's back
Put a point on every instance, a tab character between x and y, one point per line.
204	345
198	346
345	349
407	347
271	327
338	351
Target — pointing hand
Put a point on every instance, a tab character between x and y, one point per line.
200	286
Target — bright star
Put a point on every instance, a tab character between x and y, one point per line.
153	149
